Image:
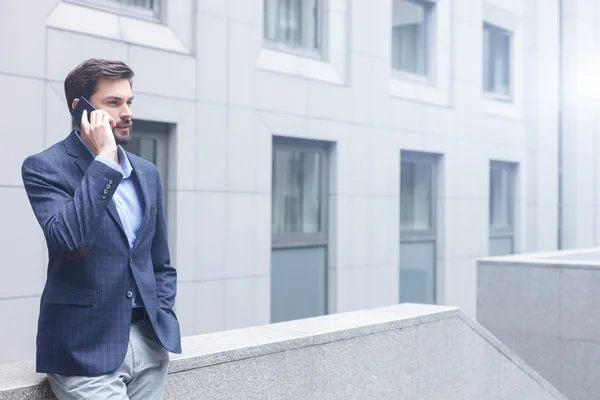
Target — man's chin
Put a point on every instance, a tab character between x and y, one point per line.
123	138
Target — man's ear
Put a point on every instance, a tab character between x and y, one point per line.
74	103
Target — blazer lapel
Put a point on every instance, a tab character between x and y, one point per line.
140	181
83	159
76	148
112	211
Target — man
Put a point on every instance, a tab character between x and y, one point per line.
106	313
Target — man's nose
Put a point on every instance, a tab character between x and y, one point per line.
126	112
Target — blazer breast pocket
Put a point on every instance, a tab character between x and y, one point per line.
71	297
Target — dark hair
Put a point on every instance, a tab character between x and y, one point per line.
82	80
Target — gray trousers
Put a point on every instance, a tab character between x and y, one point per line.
141	376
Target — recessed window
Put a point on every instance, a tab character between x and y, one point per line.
299	252
497	60
502	176
410	24
297	193
418	238
149	4
499	198
416	200
293	23
145	9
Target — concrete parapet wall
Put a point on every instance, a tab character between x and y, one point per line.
403	351
546	308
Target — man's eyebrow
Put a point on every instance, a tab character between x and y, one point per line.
116	98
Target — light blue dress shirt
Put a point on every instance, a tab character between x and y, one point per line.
128	204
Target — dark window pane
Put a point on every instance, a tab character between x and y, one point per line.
296	192
143	147
139	3
496	53
292	22
416	196
501	246
499	199
417	272
298	283
409	37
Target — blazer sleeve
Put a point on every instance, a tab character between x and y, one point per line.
70	222
164	272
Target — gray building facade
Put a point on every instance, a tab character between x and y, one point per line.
318	156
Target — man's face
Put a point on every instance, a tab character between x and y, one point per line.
115	97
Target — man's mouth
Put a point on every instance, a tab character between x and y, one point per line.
123	127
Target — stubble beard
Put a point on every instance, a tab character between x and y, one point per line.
121	138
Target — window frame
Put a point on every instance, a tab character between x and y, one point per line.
429	22
158	131
495	29
509	232
411	235
299	240
156	14
316	23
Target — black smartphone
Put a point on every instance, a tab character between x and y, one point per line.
82	104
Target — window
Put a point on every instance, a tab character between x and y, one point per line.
297	192
309	53
146	9
410	20
499	199
496	60
299	229
293	23
501	208
149	4
150	141
416	202
418	239
144	147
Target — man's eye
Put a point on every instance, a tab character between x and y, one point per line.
112	102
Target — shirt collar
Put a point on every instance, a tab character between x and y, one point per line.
124	164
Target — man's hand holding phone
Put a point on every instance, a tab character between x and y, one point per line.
97	133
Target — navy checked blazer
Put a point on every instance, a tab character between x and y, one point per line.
85	308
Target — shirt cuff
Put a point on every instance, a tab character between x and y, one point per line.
109	162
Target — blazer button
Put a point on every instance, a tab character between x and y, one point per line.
105	191
108	185
103	197
129	294
110	181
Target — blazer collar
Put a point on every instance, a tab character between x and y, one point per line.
76	148
143	194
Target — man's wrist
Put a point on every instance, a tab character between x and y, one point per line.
108	161
111	154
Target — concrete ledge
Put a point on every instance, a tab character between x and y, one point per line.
20	381
544	306
227	346
588	258
418	332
